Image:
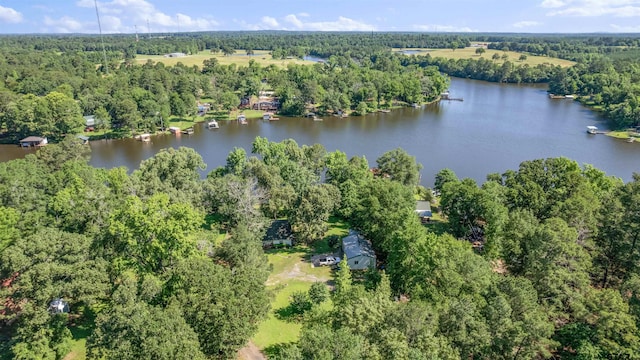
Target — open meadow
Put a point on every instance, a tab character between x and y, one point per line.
240	58
470	53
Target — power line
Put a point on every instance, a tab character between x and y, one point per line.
104	51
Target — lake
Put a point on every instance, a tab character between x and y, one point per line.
495	128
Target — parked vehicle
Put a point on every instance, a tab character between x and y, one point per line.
329	260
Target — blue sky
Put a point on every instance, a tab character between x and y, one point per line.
123	16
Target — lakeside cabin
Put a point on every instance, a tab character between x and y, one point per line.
90	123
33	141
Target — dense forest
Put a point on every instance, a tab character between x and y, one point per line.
538	262
46	95
158	263
48	82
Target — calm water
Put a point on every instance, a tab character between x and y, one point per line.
494	129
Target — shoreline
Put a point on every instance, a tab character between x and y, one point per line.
185	124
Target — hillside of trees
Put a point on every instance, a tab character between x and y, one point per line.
161	264
136	98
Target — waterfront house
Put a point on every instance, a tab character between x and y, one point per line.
358	251
33	141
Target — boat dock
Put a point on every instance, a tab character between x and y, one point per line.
594	130
447	96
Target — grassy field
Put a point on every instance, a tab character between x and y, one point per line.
470	53
240	58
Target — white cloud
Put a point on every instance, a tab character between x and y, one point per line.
342	24
443	28
9	16
65	24
523	24
269	21
266	23
554	3
625	29
303	14
292	19
593	8
123	15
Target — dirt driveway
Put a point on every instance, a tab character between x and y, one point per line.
296	272
250	352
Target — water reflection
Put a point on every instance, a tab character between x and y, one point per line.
495	128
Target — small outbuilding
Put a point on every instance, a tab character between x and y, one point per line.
33	141
279	233
358	251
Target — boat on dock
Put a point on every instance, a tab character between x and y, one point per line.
415	105
143	137
386	111
592	129
269	116
553	96
188	131
213	124
315	118
631	139
447	96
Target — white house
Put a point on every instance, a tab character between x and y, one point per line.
358	251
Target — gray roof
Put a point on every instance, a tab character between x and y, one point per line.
423	206
89	120
356	245
32	139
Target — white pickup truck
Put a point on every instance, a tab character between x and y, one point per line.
329	260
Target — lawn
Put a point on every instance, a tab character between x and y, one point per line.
273	330
470	53
290	273
240	58
80	331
